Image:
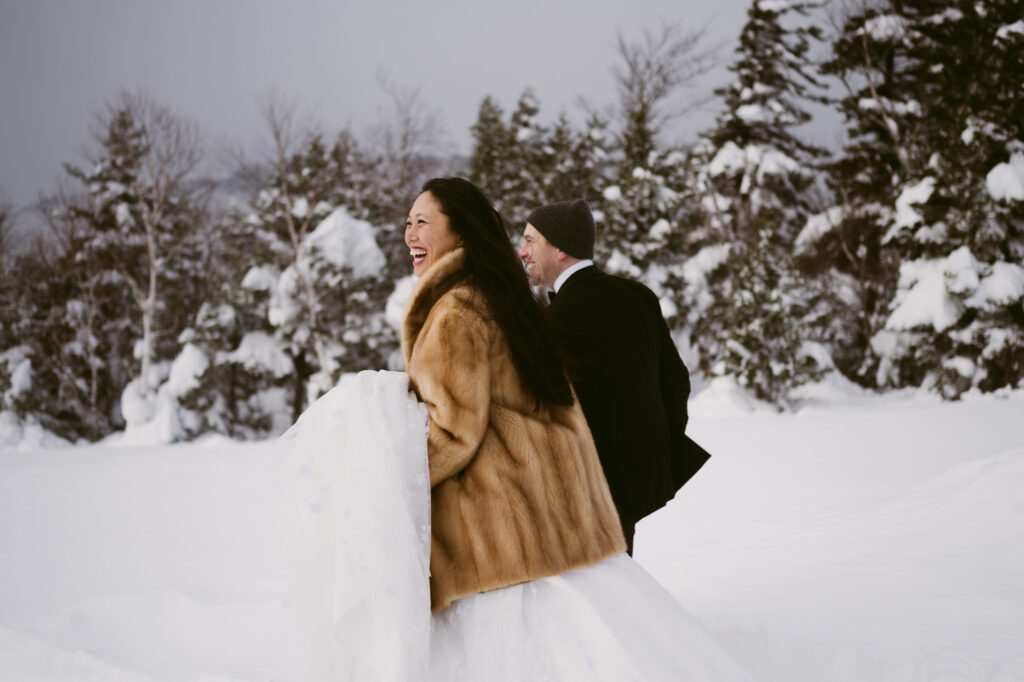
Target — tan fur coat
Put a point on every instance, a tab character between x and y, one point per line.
516	495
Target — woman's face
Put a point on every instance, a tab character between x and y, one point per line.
428	234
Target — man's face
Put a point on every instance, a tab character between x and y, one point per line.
540	258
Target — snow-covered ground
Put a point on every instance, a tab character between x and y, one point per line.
864	538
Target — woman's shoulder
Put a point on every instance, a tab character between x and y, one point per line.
462	300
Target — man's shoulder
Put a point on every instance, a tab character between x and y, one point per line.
593	282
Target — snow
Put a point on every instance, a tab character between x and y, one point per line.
261	278
348	242
753	113
284	299
123	216
774	162
21	379
818	225
906	216
186	369
865	538
660	229
620	262
729	158
612	193
774	5
394	309
157	418
767	161
135	408
935	291
922	297
965	367
1006	31
300	208
867	104
885	28
1003	286
17	434
1006	180
260	351
696	269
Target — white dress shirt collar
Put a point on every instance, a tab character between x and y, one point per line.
568	272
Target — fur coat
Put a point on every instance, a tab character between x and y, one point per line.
517	494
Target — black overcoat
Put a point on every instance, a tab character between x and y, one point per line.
633	387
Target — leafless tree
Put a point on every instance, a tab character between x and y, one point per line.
656	65
163	163
287	136
409	137
873	74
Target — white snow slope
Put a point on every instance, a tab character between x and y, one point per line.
873	539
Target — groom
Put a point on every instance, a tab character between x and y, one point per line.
625	368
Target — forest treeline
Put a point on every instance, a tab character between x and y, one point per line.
168	301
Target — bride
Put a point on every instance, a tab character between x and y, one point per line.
454	523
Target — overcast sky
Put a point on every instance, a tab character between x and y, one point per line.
216	60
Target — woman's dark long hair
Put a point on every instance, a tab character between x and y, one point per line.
497	273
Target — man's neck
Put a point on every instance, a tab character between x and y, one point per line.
568	272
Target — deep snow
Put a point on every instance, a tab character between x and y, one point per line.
860	538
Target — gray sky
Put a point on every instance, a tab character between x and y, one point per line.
216	60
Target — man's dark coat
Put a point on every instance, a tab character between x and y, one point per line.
632	385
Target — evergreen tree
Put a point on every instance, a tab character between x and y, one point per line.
574	162
67	332
844	245
640	234
130	247
492	143
755	177
244	391
763	329
305	300
956	320
523	189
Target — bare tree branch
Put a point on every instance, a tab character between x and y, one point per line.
412	134
658	64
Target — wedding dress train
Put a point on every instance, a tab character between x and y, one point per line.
355	477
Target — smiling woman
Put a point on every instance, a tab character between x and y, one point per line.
428	233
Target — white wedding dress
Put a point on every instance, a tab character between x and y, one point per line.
358	500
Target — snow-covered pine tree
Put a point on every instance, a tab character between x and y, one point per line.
522	164
956	321
770	320
306	297
489	164
522	189
844	244
592	159
140	211
244	390
755	178
573	162
69	329
640	218
648	194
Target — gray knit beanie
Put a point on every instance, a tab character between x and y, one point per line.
569	225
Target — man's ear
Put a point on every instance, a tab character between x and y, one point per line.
562	255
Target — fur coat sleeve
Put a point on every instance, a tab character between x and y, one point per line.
454	382
517	491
